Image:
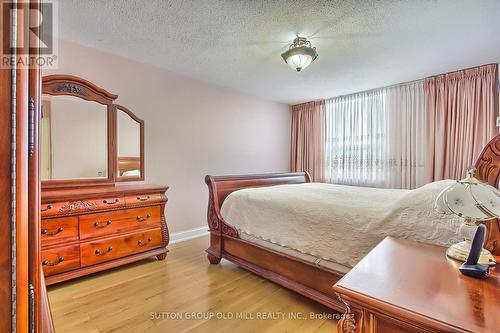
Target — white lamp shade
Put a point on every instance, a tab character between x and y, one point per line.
488	197
440	205
474	201
299	61
459	200
469	198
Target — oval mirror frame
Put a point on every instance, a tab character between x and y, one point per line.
61	84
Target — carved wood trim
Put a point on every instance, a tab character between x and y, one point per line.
488	163
69	88
68	84
492	241
488	170
165	236
347	323
215	221
78	206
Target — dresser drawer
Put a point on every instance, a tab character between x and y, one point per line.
142	199
108	249
51	209
59	230
60	260
109	203
108	223
80	206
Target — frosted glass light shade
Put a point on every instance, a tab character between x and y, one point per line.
299	61
300	54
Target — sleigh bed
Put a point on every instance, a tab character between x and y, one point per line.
293	269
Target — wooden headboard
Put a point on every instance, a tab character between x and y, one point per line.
488	170
488	163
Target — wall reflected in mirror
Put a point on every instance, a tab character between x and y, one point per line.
129	145
74	138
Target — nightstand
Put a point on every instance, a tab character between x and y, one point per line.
406	286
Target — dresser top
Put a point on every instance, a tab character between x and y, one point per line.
417	281
99	191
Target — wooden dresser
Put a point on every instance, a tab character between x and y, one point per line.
403	286
87	230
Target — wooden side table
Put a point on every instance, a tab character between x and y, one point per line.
405	286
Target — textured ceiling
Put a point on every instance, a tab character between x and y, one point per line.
237	43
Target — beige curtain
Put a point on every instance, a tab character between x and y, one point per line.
308	139
461	109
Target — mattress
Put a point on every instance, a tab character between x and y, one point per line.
336	224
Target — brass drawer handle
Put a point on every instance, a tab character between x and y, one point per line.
99	253
142	243
110	202
47	208
47	263
47	233
100	225
146	198
143	218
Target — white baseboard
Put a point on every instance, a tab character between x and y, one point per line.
181	236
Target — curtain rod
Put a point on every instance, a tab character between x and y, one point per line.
408	83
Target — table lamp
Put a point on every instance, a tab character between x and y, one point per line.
474	201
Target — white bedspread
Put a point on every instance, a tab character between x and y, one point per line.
339	223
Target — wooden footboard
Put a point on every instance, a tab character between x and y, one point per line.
298	275
220	187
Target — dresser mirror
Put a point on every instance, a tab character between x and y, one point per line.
130	134
67	149
86	139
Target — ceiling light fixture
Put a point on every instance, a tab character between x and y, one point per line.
300	54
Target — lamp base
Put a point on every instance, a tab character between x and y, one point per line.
460	251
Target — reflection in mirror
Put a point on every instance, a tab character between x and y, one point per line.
129	145
74	138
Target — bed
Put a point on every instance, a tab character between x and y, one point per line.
269	221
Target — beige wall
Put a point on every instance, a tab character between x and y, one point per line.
192	128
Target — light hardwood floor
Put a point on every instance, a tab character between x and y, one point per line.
180	294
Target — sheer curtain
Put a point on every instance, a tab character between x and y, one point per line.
376	138
356	145
405	106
